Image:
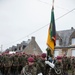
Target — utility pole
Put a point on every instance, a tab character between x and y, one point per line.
1	48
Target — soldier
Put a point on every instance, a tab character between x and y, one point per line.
41	64
65	65
1	66
72	65
22	61
29	68
15	64
58	65
69	63
7	64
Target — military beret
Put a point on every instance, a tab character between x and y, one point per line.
24	53
30	59
43	55
59	57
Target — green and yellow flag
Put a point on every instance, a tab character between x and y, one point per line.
51	39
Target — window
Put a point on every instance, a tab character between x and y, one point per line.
15	49
57	42
56	53
23	47
73	52
34	48
19	47
73	41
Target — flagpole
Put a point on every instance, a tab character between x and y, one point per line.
52	9
49	47
51	37
53	4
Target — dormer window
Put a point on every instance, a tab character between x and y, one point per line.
23	47
15	49
73	41
57	42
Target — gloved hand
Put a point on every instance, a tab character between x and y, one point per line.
46	62
40	74
50	64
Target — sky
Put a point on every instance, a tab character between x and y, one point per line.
22	19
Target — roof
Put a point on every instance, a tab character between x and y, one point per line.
29	47
65	36
23	43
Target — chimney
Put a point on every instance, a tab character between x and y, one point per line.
33	38
72	28
28	41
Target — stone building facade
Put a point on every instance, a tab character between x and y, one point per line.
33	48
65	43
29	47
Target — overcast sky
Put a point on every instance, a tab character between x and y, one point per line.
19	19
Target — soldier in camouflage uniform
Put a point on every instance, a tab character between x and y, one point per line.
7	64
41	66
1	64
15	64
59	65
37	61
69	63
72	65
29	69
65	65
22	61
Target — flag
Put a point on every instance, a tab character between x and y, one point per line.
51	39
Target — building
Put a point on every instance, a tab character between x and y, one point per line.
29	47
65	43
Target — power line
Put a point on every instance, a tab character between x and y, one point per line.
29	34
66	14
1	48
42	27
56	5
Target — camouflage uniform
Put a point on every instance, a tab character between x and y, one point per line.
22	62
29	68
58	65
41	66
69	63
65	65
72	65
7	64
1	64
15	65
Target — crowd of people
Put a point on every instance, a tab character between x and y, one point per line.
25	64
